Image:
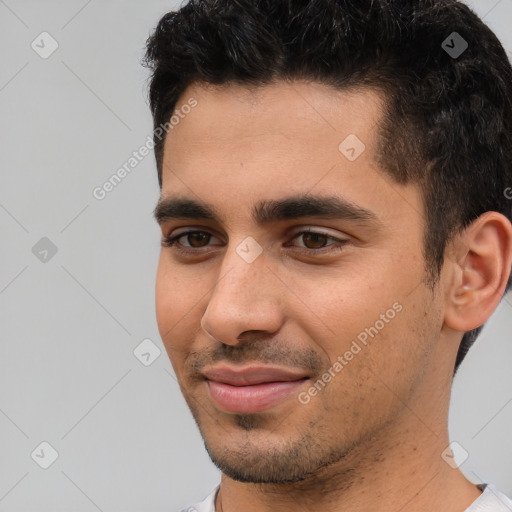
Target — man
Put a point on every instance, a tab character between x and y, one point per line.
336	230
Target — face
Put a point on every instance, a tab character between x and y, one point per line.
294	311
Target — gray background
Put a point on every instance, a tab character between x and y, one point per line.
69	326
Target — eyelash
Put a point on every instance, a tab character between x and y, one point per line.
172	242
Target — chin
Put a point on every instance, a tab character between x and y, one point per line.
257	459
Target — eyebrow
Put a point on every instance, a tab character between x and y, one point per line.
271	210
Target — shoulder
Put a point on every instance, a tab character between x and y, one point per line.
207	505
491	500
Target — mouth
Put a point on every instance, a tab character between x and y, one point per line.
251	389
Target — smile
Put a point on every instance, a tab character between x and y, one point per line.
251	389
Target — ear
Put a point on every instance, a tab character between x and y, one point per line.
479	271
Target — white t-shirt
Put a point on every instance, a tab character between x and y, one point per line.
491	500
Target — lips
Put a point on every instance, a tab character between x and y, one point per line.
252	375
251	389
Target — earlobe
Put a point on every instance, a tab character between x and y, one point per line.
483	259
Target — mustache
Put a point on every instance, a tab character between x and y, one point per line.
305	359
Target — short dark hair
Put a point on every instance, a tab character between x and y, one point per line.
448	119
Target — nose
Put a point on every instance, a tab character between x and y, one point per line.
245	298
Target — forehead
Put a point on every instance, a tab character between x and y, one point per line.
305	110
243	145
297	121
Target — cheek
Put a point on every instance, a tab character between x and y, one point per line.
341	306
165	298
374	323
177	304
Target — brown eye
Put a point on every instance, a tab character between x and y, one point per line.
198	238
314	240
189	240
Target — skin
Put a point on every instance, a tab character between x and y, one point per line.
372	439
